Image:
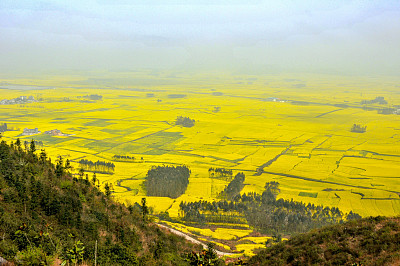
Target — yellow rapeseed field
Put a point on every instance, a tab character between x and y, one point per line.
300	137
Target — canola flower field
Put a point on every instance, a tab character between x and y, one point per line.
279	129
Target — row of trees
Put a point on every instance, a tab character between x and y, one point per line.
167	180
213	212
98	167
265	213
219	172
125	158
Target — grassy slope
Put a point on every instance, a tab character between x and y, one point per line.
369	241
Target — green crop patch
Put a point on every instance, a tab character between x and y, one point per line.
98	123
308	194
47	139
99	145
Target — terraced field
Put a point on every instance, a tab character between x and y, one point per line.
269	129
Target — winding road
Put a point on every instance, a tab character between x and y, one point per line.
195	241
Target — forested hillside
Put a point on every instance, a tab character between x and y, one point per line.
48	216
370	241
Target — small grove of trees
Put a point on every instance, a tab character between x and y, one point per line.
184	121
94	97
123	157
358	128
387	111
167	181
379	100
98	167
234	187
219	172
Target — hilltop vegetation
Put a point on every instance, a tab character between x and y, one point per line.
47	215
370	241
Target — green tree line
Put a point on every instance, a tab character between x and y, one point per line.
98	167
266	213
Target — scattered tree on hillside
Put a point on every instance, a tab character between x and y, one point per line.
145	209
207	257
108	189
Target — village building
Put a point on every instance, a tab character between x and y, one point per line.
55	132
28	132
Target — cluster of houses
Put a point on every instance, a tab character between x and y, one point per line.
56	132
28	131
19	100
34	131
274	99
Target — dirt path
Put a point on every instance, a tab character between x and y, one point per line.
260	169
195	241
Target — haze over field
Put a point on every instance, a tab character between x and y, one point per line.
258	37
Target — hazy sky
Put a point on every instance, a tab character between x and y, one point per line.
337	36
